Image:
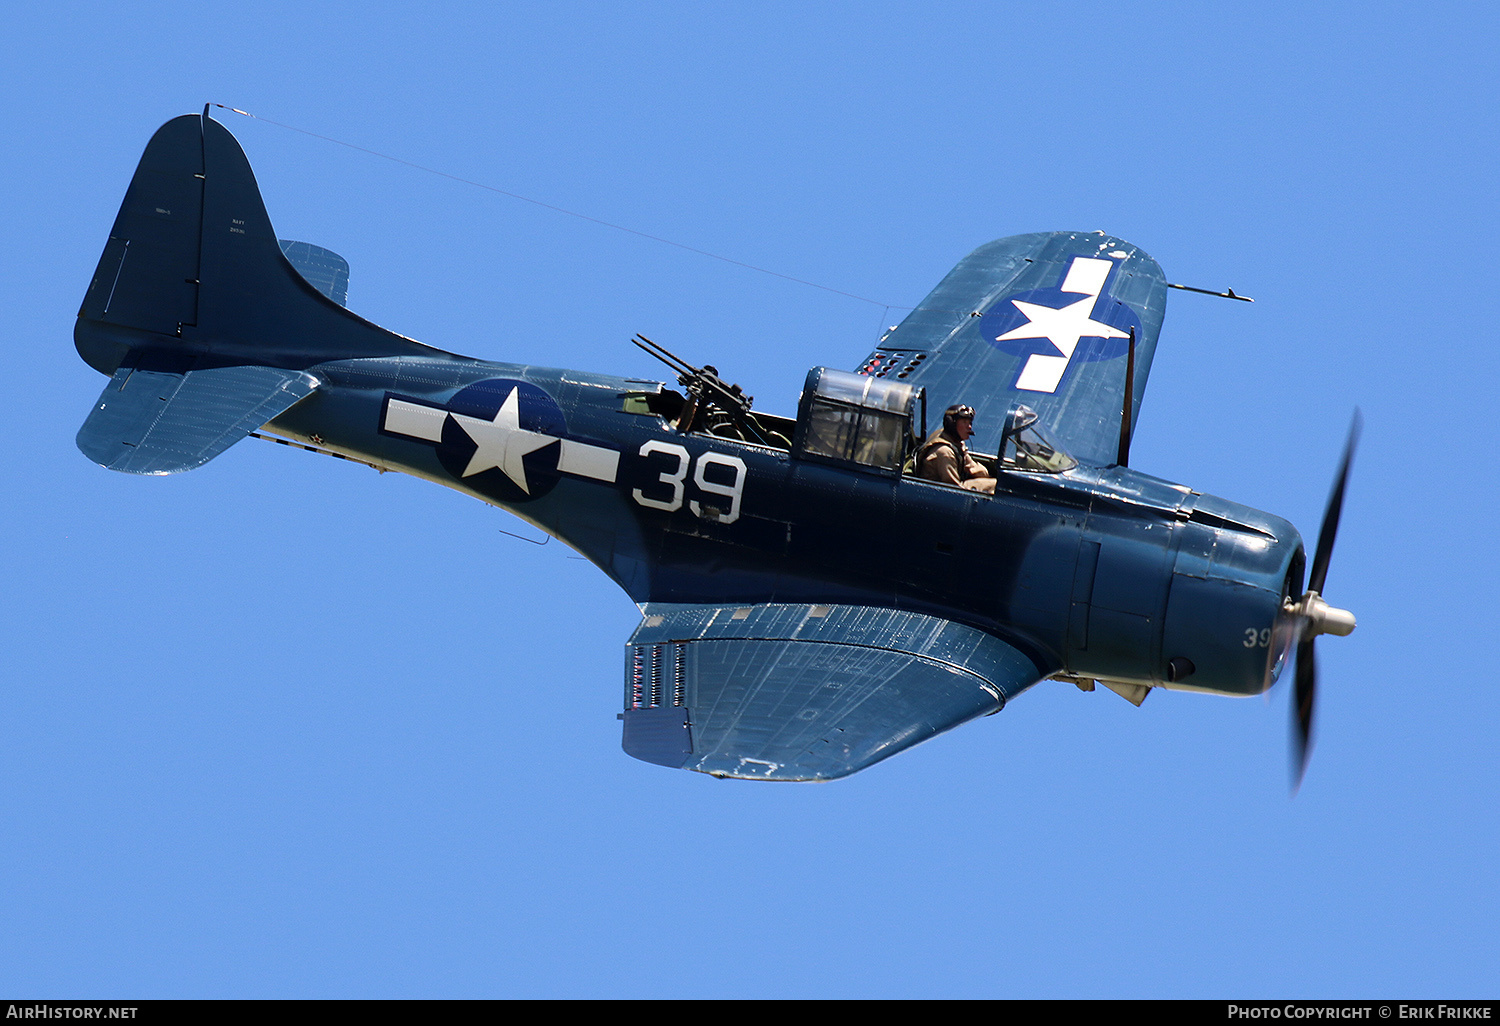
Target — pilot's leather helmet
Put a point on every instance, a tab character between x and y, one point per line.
953	414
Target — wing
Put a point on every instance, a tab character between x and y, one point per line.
1042	320
804	692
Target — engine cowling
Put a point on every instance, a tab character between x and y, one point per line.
1234	568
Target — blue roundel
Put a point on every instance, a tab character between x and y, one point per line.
502	437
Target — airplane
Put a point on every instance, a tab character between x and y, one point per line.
810	605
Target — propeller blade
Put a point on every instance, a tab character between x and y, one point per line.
1289	626
1312	616
1307	690
1319	574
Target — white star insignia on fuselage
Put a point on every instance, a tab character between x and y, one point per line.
502	443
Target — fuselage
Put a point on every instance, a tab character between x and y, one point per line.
1096	573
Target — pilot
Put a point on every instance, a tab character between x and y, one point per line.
944	457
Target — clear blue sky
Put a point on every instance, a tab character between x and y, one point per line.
285	727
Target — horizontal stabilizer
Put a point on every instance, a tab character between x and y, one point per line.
160	414
804	692
323	269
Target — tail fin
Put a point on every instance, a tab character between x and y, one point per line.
193	263
193	279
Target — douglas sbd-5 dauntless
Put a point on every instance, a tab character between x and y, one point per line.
810	605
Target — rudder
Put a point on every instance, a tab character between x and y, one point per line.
147	278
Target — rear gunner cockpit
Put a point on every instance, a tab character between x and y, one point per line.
712	406
842	417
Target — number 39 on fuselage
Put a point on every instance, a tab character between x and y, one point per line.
809	604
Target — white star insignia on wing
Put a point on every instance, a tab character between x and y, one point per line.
1062	327
502	442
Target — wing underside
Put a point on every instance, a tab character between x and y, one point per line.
804	692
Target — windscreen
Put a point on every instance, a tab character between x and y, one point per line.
1031	449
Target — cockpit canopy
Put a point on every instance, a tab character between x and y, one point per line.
857	418
878	423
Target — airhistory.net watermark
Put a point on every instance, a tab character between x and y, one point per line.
43	1010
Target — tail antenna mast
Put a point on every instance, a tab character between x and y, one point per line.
1226	294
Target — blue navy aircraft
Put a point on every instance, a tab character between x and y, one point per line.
811	603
